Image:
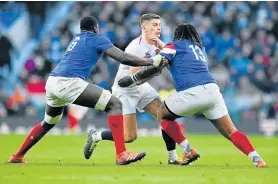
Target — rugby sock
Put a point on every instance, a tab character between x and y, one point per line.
116	125
186	147
173	129
170	146
34	136
104	135
240	140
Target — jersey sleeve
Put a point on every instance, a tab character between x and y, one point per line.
103	43
168	51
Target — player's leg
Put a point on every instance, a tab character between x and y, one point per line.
153	108
53	114
130	130
218	115
167	117
130	127
149	101
52	117
129	99
181	104
226	127
95	97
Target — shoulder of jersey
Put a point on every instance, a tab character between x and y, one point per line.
93	35
136	43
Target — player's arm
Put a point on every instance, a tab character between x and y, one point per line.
146	73
132	60
142	75
103	44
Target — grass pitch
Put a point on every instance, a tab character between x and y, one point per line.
59	160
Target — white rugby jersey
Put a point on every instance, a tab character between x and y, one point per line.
140	48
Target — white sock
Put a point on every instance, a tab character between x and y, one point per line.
172	155
186	147
97	136
255	157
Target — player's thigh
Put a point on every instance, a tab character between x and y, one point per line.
93	97
129	100
54	111
130	127
147	96
164	113
153	107
53	115
54	105
216	104
217	112
52	90
186	103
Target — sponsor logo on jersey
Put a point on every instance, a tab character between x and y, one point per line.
147	55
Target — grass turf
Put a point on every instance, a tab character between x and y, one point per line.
59	160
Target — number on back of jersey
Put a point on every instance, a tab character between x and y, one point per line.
72	44
198	52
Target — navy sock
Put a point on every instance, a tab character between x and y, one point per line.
170	143
107	135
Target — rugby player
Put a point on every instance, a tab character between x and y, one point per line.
196	88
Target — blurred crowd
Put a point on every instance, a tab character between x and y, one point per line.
240	40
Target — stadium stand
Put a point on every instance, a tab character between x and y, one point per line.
240	38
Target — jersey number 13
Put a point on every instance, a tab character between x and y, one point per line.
198	53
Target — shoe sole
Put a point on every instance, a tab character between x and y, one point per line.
261	167
194	158
175	163
90	145
132	161
17	162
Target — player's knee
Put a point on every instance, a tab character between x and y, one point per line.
114	105
130	138
168	117
52	120
164	114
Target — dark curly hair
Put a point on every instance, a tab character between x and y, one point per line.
187	31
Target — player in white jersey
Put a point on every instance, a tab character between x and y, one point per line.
143	97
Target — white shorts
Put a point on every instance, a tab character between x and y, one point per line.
135	98
61	91
206	99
